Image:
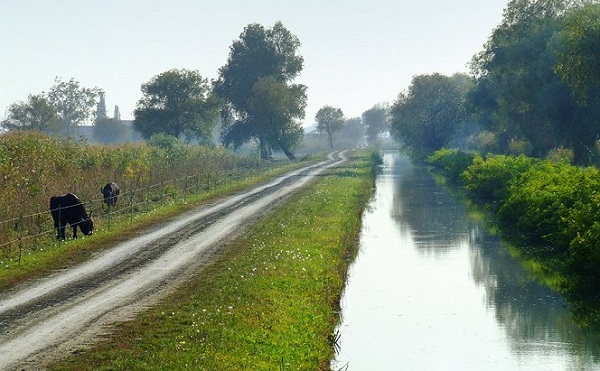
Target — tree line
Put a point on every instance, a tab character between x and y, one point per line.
533	89
254	99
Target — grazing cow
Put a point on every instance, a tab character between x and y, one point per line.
111	193
67	209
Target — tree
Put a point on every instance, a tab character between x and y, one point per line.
353	133
276	108
177	102
35	114
258	54
329	121
518	95
426	117
110	130
577	48
375	120
74	104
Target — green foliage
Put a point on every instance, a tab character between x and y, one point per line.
35	114
329	121
453	163
427	116
277	109
73	103
65	106
110	131
489	179
376	122
177	102
518	92
561	155
550	202
577	47
267	55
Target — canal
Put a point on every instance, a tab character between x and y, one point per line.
431	289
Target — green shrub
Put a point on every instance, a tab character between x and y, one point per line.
488	179
452	162
551	204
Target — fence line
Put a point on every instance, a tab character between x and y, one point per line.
28	229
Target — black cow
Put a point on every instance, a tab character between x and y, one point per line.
67	209
111	193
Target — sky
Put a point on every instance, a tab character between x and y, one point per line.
356	53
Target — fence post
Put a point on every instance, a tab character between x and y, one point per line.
20	228
131	206
185	185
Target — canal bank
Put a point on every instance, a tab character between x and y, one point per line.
432	290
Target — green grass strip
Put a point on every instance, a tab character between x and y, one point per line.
270	299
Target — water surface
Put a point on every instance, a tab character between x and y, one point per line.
431	290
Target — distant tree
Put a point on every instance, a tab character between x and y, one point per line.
429	113
37	113
375	120
353	132
110	130
73	103
177	102
259	53
329	120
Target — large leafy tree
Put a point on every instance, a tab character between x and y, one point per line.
518	95
426	117
375	120
329	121
177	102
37	113
577	47
259	53
73	103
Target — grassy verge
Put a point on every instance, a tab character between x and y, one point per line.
269	300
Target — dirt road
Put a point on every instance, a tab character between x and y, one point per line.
50	317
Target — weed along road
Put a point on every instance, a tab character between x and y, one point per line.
73	307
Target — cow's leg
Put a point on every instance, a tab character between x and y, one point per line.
75	231
61	232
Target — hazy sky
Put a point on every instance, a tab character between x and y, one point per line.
356	53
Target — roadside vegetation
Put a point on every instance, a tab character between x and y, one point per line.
270	299
155	179
549	210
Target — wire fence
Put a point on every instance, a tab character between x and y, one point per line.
25	234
